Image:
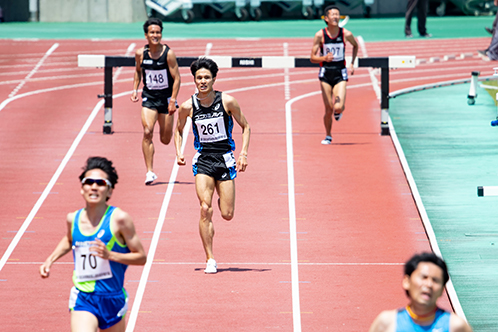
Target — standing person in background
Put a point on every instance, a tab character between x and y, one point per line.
214	165
493	27
157	63
425	277
329	47
491	53
422	8
104	243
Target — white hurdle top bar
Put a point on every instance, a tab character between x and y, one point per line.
100	61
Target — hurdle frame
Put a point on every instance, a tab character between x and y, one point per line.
275	62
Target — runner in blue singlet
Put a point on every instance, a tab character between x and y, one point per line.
104	243
425	277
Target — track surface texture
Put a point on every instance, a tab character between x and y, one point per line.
355	218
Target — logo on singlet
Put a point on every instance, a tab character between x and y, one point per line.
101	233
209	115
148	62
216	107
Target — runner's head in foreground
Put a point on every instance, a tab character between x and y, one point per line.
214	165
104	243
424	280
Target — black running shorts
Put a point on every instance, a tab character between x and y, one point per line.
333	76
153	102
221	167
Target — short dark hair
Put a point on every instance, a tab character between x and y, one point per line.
205	63
412	264
330	7
103	164
152	21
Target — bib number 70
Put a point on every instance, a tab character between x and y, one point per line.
89	267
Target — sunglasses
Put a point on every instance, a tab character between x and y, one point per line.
99	182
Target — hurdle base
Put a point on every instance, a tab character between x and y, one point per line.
384	129
487	191
471	100
107	129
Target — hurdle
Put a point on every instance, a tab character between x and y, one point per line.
487	191
471	98
385	64
269	62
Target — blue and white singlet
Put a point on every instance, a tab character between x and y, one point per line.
404	323
93	274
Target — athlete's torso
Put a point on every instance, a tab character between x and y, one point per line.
212	126
155	73
87	267
336	46
404	323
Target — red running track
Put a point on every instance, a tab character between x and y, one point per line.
356	221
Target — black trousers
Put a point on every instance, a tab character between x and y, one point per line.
422	7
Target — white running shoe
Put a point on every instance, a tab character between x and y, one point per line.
327	140
337	116
150	177
211	266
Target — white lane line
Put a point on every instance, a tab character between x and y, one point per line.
130	49
286	74
38	65
296	306
375	81
416	195
450	289
155	238
50	185
209	46
235	263
31	93
57	173
52	182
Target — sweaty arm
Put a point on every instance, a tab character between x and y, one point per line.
385	322
64	246
184	111
350	38
138	74
233	108
315	50
126	235
457	324
175	73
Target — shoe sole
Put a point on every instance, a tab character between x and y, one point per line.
150	182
